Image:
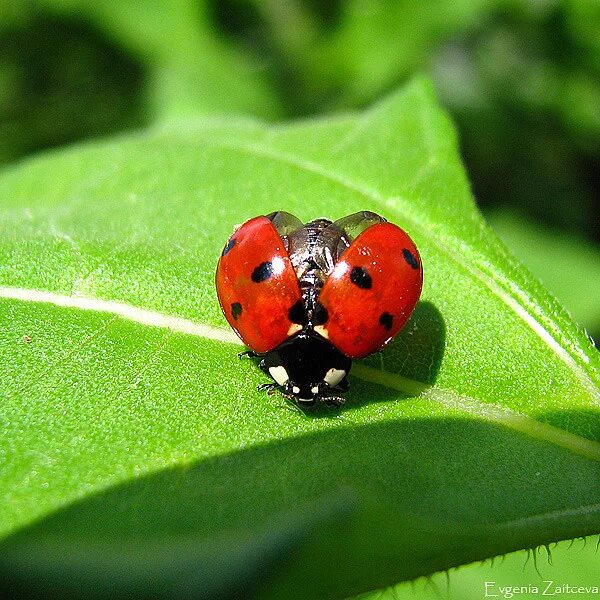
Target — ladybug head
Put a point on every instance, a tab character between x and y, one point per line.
308	367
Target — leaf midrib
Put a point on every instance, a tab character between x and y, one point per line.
488	412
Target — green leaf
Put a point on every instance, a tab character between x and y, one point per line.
135	445
569	266
571	563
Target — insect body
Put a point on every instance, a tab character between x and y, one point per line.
309	298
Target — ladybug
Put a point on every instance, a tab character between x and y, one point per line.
308	299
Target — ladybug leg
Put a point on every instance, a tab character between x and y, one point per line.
334	400
268	387
291	404
248	353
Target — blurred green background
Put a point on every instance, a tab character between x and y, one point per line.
521	79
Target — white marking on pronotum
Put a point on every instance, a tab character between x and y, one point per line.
132	313
294	328
334	376
322	331
279	374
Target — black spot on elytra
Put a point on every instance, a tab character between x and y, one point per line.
262	272
360	277
409	257
297	313
386	320
319	315
236	310
229	246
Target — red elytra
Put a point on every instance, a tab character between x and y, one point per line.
372	291
257	309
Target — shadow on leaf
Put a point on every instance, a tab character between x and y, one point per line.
331	513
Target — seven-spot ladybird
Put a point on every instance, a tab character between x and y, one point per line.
308	299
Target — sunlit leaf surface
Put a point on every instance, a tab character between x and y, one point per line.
135	448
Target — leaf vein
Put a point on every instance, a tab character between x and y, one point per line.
448	398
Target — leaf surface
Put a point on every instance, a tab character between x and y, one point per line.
131	429
568	265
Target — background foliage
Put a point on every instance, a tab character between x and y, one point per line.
521	79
